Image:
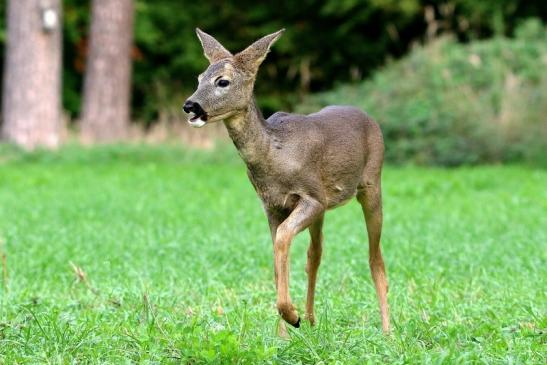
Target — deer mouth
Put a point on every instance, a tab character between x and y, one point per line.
197	120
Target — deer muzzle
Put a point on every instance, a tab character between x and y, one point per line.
198	116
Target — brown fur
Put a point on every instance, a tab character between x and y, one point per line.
299	165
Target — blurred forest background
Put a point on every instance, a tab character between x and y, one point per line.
451	82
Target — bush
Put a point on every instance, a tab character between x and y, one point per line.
449	103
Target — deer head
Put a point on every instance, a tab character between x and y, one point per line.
225	88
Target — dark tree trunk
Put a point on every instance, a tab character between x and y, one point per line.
31	99
107	84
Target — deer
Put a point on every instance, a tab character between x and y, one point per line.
300	165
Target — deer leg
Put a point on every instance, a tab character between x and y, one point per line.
274	220
370	197
305	213
314	259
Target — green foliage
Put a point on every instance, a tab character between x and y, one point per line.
326	41
176	265
75	30
172	56
451	104
494	17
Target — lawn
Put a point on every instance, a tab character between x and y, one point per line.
142	254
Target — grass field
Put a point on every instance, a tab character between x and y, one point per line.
156	255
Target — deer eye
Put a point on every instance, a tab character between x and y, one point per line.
223	83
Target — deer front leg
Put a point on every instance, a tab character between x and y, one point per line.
274	220
305	213
314	259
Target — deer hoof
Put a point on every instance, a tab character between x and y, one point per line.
288	313
297	324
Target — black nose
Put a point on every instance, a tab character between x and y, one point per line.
191	107
188	106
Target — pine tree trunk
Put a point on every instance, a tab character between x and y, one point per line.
31	99
107	85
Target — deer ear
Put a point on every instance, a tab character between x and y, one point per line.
251	57
212	49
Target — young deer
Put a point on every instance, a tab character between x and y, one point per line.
299	165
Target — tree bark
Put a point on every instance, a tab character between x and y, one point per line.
107	84
31	99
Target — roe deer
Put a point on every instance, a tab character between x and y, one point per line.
299	165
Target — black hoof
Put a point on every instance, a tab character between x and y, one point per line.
297	324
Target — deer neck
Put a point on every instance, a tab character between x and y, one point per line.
249	133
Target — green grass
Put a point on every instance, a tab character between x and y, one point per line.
178	265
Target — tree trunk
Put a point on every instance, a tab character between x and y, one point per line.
32	73
107	84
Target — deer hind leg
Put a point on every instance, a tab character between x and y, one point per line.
314	260
305	213
370	197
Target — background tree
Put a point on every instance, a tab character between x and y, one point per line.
32	73
105	114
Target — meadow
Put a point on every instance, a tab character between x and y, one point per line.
139	254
